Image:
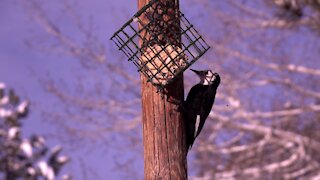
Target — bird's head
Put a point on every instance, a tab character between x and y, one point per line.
208	77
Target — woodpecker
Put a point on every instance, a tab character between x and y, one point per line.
199	103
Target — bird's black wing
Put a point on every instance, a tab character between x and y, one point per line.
192	107
205	110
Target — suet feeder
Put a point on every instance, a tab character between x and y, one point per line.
169	44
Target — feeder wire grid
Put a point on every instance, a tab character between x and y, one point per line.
169	42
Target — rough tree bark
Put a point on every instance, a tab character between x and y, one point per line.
163	128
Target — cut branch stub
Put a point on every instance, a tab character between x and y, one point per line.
170	44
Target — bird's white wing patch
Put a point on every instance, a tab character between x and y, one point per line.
197	125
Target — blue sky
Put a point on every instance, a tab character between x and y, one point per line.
21	68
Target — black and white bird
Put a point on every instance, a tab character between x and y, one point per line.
199	103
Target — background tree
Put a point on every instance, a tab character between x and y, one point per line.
265	121
27	158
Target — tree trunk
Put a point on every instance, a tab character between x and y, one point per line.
163	128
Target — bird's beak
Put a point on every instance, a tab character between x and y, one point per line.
195	71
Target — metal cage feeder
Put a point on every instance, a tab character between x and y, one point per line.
169	42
